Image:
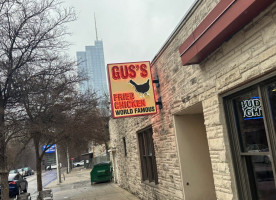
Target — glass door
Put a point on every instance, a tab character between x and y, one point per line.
252	138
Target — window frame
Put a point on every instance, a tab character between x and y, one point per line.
239	158
147	156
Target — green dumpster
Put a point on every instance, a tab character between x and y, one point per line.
101	172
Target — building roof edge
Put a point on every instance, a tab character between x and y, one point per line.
182	22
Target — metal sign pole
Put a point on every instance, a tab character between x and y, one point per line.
58	166
68	161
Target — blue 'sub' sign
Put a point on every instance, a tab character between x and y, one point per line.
52	149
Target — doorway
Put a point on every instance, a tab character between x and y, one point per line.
195	162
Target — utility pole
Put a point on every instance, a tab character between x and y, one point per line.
58	166
68	161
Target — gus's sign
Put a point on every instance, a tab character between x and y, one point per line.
131	90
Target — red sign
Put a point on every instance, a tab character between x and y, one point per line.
131	90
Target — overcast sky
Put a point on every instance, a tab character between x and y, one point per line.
131	30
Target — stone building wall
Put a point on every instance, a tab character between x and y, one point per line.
249	54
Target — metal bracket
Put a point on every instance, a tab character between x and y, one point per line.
159	103
156	81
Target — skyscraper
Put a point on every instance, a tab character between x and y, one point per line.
91	64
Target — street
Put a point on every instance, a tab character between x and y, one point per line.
47	178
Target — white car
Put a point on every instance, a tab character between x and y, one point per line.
78	164
52	166
21	172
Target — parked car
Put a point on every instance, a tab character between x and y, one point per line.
14	171
21	172
52	166
28	171
17	184
254	148
257	148
78	164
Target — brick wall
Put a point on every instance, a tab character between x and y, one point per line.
249	54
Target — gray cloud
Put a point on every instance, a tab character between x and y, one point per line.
132	30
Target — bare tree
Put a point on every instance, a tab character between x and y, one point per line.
58	115
47	96
29	31
87	123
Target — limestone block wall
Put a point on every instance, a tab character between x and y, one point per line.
248	55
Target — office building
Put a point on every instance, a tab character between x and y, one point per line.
92	65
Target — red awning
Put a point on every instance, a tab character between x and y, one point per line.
227	18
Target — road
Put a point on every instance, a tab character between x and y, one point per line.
47	178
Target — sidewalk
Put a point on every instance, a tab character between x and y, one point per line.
77	186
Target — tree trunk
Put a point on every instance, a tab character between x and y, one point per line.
4	184
38	164
4	173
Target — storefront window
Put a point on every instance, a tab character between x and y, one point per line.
250	114
250	122
261	174
271	90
